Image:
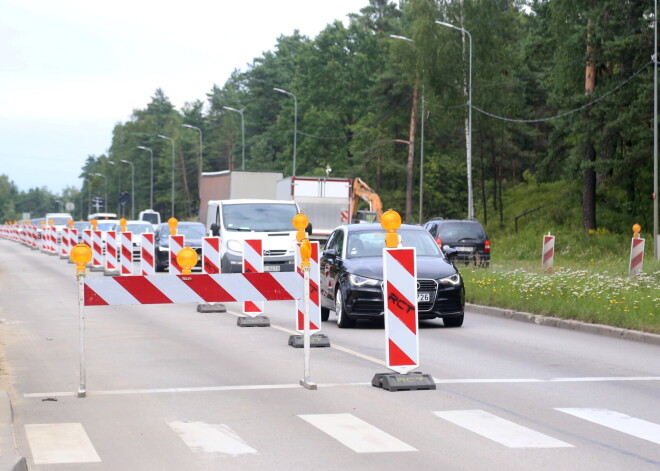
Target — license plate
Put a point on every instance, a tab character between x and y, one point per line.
423	297
464	249
272	268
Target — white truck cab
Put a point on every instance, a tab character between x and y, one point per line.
235	221
150	216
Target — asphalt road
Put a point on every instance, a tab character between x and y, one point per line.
173	389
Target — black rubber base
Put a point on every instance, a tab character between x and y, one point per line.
259	321
211	308
414	381
316	340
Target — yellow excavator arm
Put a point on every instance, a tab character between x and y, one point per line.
362	191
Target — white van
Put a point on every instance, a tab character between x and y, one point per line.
235	221
150	216
60	221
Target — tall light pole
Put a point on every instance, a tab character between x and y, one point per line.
110	162
656	239
199	161
468	135
295	124
132	188
242	134
421	150
105	202
151	199
172	141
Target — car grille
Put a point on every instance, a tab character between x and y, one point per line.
274	253
427	286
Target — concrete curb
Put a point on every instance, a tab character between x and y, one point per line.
9	458
597	329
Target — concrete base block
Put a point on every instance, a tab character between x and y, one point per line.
316	340
413	381
259	321
211	308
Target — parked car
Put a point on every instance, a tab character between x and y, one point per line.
80	226
137	228
466	236
352	276
193	232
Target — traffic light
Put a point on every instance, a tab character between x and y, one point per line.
124	198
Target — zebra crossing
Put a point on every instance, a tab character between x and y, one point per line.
69	442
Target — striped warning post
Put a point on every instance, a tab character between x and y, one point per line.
34	238
314	293
253	262
636	257
126	254
177	242
64	243
400	273
147	253
73	241
48	240
111	252
97	250
548	252
211	255
235	287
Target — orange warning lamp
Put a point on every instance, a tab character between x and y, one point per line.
636	230
122	224
81	255
70	223
94	223
305	253
186	258
172	222
300	223
391	221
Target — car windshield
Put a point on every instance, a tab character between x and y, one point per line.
258	217
106	226
371	243
137	228
81	225
188	230
61	221
461	230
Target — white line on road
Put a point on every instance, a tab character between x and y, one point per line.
211	438
356	434
617	421
60	443
499	430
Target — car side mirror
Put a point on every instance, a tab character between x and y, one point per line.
330	253
309	229
450	253
215	230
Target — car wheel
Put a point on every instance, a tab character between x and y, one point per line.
325	313
340	310
453	321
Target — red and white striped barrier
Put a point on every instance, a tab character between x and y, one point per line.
73	241
400	274
211	261
126	255
147	254
111	252
97	250
64	243
177	242
314	293
34	237
102	291
636	257
548	258
253	262
51	240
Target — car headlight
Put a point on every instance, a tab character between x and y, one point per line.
359	281
453	280
235	246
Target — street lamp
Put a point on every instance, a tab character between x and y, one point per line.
110	162
242	134
105	202
199	161
421	150
295	124
151	201
172	141
468	137
132	188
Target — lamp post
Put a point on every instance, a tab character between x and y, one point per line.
468	136
110	162
199	161
242	134
132	188
172	141
295	124
421	150
105	202
151	199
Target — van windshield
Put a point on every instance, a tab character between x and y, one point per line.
258	217
151	218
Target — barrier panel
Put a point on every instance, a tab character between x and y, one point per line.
97	250
211	261
147	254
548	258
126	254
636	257
64	243
111	265
177	242
253	262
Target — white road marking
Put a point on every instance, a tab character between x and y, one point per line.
617	421
356	434
211	438
60	443
499	430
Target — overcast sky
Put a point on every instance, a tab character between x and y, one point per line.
71	69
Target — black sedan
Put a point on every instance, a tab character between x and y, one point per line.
352	276
193	232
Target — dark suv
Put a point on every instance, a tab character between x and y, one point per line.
466	236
